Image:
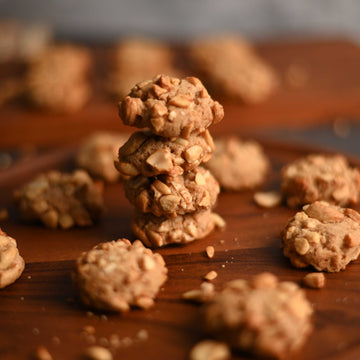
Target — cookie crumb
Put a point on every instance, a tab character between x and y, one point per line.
142	335
89	329
210	350
55	340
205	293
314	280
97	353
42	353
218	221
211	275
268	199
210	251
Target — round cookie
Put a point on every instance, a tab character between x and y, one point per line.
170	107
156	231
117	275
151	155
262	316
232	68
11	263
320	177
171	196
57	79
238	164
61	200
324	236
98	153
136	59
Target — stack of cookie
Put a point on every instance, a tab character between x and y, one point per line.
173	196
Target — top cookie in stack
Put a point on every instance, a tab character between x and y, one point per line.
172	195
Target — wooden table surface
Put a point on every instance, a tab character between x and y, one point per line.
41	308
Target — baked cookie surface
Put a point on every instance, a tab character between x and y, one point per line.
11	263
238	164
150	155
118	275
61	200
156	231
324	236
320	177
170	107
170	196
262	316
136	59
57	78
98	153
232	68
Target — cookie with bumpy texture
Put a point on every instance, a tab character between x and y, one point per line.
57	79
156	231
117	275
238	164
320	177
11	263
136	59
262	316
98	153
61	200
232	68
170	107
151	155
170	196
324	236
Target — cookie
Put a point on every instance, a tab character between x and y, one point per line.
136	59
61	200
238	164
11	263
232	68
156	231
262	316
320	177
98	153
324	236
170	107
118	275
57	78
195	190
151	155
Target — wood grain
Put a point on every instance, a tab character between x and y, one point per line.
42	307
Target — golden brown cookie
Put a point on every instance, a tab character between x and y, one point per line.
11	263
238	164
170	196
57	78
61	200
118	275
232	68
136	59
263	316
156	231
324	236
98	153
150	155
320	177
170	107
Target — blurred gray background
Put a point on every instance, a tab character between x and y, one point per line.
103	20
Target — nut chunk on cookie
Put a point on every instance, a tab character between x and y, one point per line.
61	200
170	107
117	275
11	263
238	164
324	236
320	177
262	316
98	153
